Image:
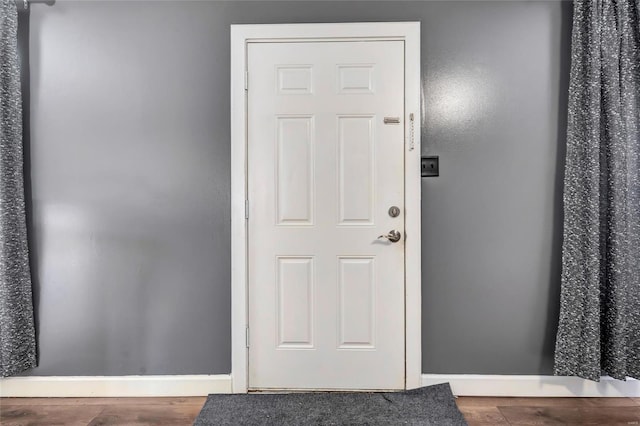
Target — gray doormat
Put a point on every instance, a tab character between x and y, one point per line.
431	405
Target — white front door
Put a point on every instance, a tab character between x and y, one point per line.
326	295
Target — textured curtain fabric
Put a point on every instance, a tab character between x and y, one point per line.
599	330
17	333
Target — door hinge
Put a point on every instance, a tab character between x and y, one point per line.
246	209
247	337
246	80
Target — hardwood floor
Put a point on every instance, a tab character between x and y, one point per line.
182	411
550	411
99	411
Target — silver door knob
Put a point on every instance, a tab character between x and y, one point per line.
393	236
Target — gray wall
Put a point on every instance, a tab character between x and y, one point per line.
130	180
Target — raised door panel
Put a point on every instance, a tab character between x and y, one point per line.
295	302
356	152
294	170
357	301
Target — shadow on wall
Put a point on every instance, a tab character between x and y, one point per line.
553	307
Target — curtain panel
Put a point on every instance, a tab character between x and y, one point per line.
599	329
17	330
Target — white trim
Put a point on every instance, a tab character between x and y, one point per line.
202	385
413	206
409	32
114	386
239	311
533	386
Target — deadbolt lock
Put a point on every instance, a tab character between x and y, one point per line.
394	211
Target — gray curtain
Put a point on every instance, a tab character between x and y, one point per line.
599	330
17	333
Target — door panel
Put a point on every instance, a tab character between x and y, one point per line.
295	176
326	296
295	302
357	289
356	169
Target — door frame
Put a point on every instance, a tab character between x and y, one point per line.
241	35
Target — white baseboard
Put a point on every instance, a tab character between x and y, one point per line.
202	385
114	386
536	386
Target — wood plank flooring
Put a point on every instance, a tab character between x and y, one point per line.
550	411
99	411
182	411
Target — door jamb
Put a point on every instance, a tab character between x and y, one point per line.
241	35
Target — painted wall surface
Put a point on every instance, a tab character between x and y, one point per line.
129	156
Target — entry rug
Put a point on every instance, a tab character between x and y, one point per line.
431	405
